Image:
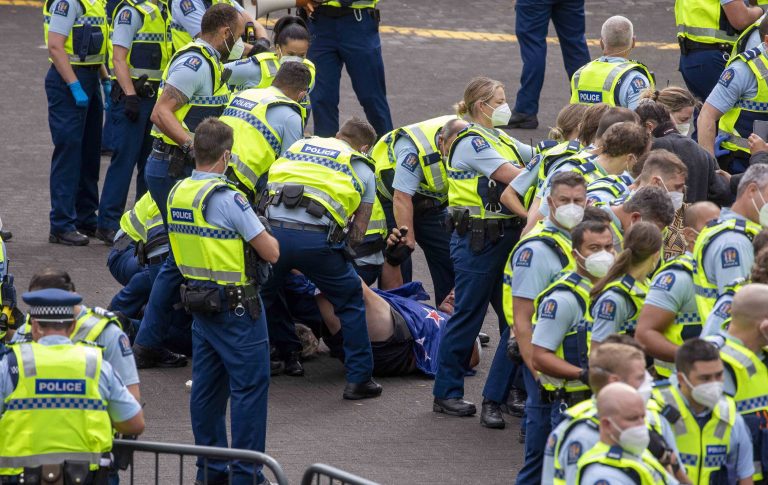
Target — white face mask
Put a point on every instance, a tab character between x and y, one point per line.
501	114
236	52
568	215
763	210
683	128
646	387
707	394
597	264
285	59
677	197
635	439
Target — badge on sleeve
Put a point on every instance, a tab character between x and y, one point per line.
724	310
549	450
726	77
410	163
548	309
187	7
62	8
524	258
574	452
638	84
665	282
241	202
592	199
125	346
125	17
193	62
729	258
479	144
533	163
607	309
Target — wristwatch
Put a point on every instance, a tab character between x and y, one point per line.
186	147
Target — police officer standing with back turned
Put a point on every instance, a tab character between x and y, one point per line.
76	36
60	400
321	194
222	249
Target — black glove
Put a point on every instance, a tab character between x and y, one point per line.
658	447
261	45
584	376
395	255
132	107
513	351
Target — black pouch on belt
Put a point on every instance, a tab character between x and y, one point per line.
176	163
477	241
141	253
76	472
251	301
201	300
291	195
495	231
462	222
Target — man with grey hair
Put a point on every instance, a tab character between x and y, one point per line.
723	251
612	78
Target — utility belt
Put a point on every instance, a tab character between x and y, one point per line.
481	230
210	300
423	205
143	249
292	196
143	87
560	396
69	473
687	45
366	248
178	160
337	12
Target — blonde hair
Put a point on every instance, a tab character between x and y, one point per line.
674	98
568	121
479	89
608	359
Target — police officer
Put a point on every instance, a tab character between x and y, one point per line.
321	194
218	240
650	204
746	379
76	36
736	102
531	266
187	21
413	188
712	438
579	431
140	50
723	250
669	315
482	160
265	123
618	297
347	32
706	31
621	455
612	78
51	388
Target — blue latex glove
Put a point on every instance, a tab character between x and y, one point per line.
719	152
81	99
106	85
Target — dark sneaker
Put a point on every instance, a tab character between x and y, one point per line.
106	235
147	358
71	238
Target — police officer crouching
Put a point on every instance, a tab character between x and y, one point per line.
221	249
60	401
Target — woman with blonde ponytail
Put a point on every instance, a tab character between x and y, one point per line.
618	297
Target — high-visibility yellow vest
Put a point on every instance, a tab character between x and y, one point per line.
467	189
616	185
544	162
377	224
633	291
707	292
152	47
741	42
144	216
56	412
703	21
686	325
574	348
180	36
3	263
645	467
355	4
269	64
256	144
199	107
738	121
558	241
598	81
703	451
203	251
424	136
86	44
324	167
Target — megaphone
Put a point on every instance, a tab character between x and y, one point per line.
260	8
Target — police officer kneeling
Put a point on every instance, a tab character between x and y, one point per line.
221	248
60	401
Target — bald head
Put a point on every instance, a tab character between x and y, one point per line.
448	134
617	35
750	306
699	214
616	397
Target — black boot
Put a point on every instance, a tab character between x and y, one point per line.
454	406
490	415
293	365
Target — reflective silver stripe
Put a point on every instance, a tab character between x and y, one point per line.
94	59
201	193
664	364
742	359
669	399
316	193
137	225
426	145
705	32
28	360
85	328
271	68
151	73
377	225
244	169
615	72
725	417
47	459
759	64
158	219
91	362
735	139
576	77
228	276
475	211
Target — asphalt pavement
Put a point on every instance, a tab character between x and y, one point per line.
431	50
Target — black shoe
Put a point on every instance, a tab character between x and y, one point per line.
276	367
6	235
490	415
484	339
516	402
106	235
147	358
71	238
454	406
89	231
522	121
293	366
363	390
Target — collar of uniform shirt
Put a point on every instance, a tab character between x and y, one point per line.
726	213
200	175
209	47
54	340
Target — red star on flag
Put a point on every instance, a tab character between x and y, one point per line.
434	316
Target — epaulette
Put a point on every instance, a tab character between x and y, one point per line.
750	54
546	145
89	343
661	383
716	340
615	452
102	312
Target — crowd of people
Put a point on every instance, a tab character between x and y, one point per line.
624	256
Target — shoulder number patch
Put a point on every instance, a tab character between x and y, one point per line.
479	144
729	258
410	163
524	258
726	77
548	309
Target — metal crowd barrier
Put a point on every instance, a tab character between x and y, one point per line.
129	447
319	474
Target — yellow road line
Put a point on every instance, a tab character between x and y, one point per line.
429	33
